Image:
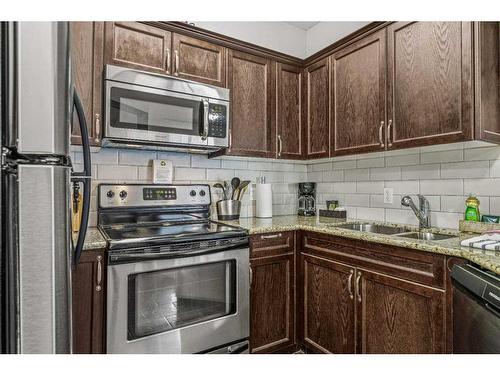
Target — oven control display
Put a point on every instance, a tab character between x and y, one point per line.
159	194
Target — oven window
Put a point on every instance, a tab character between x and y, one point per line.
161	301
131	109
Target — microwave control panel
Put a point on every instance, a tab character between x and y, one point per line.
217	120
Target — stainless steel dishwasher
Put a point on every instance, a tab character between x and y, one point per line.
476	310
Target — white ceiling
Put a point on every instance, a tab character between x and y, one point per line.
304	25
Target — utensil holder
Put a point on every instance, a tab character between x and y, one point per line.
228	209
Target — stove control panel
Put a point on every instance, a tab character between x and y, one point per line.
152	195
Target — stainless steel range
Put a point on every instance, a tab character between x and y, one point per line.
177	281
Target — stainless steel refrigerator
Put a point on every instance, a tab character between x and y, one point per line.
37	104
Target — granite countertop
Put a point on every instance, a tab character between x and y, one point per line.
94	240
489	259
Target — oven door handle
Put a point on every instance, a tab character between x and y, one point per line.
204	119
128	257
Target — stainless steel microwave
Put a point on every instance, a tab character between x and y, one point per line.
154	111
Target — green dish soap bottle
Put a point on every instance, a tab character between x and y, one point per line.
472	209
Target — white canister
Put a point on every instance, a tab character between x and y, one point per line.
264	200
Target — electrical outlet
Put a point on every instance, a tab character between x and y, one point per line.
388	195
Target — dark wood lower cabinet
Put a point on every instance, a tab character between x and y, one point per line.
89	297
272	304
328	306
397	316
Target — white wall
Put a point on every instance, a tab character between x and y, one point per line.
325	33
285	38
278	36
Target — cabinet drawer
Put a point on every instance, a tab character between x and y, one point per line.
413	265
268	244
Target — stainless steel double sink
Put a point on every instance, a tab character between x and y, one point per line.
395	231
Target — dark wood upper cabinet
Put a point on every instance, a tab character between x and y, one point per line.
317	84
272	304
487	81
89	298
397	316
358	96
289	111
198	60
138	46
430	93
250	79
87	42
328	306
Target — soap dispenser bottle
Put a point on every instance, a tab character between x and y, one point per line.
472	209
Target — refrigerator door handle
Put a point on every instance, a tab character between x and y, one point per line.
83	177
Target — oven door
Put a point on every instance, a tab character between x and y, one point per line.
179	305
144	114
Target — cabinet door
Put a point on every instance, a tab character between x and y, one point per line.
88	287
289	111
358	96
250	80
87	42
328	305
430	83
318	120
138	46
198	60
272	304
397	316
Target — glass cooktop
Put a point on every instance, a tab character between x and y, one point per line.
166	233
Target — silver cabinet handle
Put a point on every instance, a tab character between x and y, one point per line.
176	66
358	292
382	143
97	117
98	287
280	145
168	60
389	134
251	276
271	236
349	284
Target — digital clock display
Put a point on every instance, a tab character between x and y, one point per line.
159	194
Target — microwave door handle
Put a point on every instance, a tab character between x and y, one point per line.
204	134
83	177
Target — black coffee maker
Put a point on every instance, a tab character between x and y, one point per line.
307	199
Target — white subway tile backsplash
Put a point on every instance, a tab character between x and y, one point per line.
471	169
403	187
373	187
189	174
483	186
322	167
118	173
136	157
442	156
332	176
445	174
234	164
410	159
389	173
344	187
366	213
219	175
419	172
441	187
370	163
362	174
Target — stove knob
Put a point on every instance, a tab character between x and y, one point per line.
192	193
123	194
110	194
202	193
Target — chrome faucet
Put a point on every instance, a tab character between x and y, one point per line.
422	213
